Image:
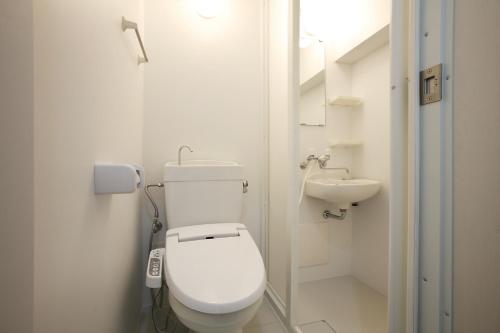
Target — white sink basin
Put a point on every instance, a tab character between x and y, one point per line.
191	170
340	191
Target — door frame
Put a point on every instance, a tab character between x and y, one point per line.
400	188
432	40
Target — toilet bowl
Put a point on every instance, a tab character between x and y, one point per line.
200	322
215	275
214	270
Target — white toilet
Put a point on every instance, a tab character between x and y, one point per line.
214	270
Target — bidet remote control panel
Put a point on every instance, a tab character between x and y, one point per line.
154	267
154	270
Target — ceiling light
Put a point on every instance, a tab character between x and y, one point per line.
209	8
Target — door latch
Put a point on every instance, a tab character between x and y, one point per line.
431	84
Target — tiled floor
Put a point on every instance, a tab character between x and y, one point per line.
348	305
265	321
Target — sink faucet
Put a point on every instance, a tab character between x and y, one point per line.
322	160
179	153
309	158
347	171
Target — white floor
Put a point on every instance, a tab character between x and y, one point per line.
265	321
346	304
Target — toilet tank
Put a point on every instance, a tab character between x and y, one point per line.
200	192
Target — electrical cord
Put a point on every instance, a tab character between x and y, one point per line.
156	307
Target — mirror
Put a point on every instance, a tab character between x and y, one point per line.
312	104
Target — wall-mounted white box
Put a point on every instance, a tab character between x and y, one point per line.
117	178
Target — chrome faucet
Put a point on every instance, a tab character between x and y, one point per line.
322	160
347	171
179	153
309	158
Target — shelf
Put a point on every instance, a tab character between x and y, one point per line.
372	43
345	101
345	144
314	81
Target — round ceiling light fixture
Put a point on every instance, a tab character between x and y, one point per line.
209	8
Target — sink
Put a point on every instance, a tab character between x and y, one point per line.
191	170
343	192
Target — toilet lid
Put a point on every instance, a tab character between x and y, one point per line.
214	268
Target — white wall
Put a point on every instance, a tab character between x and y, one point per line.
476	160
370	234
312	61
356	20
88	107
204	88
16	167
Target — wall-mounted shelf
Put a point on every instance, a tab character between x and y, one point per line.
345	144
372	43
314	81
345	101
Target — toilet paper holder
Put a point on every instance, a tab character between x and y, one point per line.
111	178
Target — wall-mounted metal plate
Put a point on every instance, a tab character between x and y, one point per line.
430	84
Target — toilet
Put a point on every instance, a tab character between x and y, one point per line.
213	268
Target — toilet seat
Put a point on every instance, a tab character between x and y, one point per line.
214	268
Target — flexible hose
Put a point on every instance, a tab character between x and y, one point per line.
156	227
306	175
153	203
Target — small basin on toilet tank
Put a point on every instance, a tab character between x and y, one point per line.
343	192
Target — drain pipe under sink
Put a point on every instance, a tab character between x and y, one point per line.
331	215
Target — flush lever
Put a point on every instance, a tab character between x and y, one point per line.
245	186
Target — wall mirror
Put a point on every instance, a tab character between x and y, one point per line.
312	104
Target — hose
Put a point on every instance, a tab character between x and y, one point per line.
306	175
157	298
